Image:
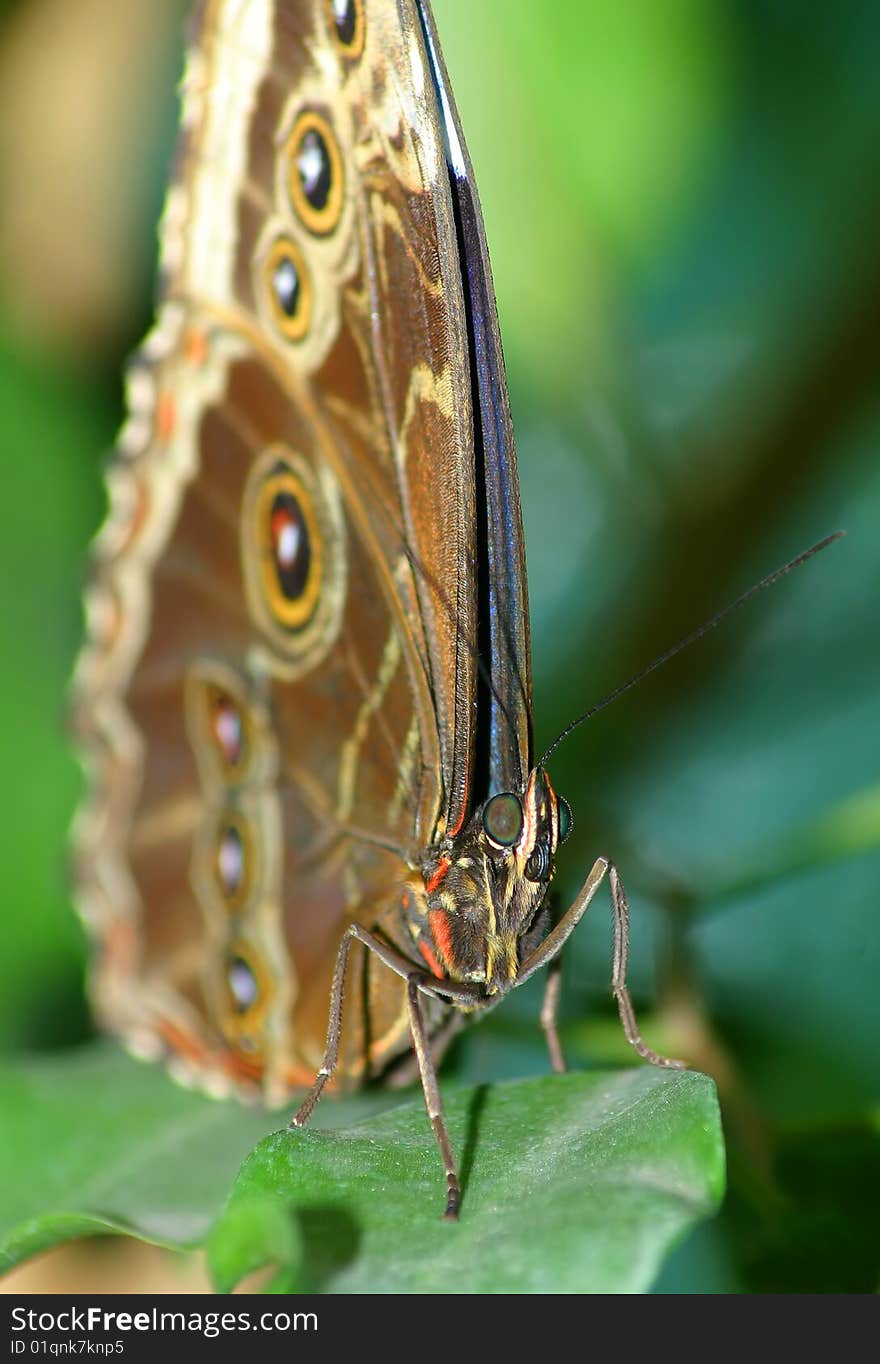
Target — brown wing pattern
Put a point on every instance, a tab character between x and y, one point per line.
276	696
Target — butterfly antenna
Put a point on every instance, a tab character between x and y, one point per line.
691	639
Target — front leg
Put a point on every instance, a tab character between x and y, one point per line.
549	1010
552	945
334	1024
416	982
431	1089
620	958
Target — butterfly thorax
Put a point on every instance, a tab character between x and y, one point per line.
473	909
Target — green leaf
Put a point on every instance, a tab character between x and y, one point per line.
579	1182
256	1231
100	1143
572	1183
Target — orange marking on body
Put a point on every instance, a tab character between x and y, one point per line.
196	347
554	801
464	807
441	929
166	416
433	964
442	868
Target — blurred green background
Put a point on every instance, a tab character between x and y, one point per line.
682	202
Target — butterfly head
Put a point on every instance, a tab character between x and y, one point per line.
483	889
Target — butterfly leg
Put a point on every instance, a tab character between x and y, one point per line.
392	959
406	1071
619	989
416	983
549	949
549	1009
556	939
433	1103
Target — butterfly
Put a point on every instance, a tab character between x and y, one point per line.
317	838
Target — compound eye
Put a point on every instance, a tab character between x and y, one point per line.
503	820
565	820
538	864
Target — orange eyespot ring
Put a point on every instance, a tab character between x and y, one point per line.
288	288
290	546
316	176
292	543
346	20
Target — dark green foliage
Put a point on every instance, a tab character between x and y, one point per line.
574	1183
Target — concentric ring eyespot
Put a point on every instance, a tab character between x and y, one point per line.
290	547
347	25
503	820
226	727
288	287
565	818
230	861
235	857
219	723
242	983
292	539
316	178
244	995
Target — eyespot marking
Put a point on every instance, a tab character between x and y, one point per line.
288	287
243	987
290	548
243	995
316	178
347	25
235	856
220	726
293	552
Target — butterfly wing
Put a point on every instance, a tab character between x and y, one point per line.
504	759
279	692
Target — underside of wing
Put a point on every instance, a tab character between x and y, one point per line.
277	700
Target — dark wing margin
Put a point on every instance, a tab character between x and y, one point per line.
504	718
